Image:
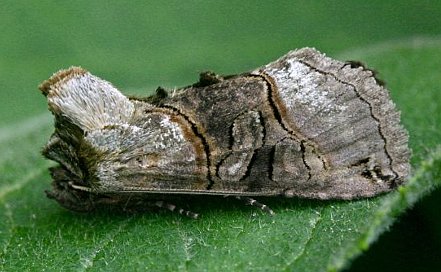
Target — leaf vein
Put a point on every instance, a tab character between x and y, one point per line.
89	261
10	188
10	132
11	223
307	241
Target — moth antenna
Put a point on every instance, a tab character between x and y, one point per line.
173	208
252	202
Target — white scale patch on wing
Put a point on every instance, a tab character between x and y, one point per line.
234	168
172	131
165	136
298	83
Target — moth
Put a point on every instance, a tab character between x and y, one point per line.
304	125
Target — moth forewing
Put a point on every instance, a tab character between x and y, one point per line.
304	125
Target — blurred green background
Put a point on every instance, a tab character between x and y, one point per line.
139	45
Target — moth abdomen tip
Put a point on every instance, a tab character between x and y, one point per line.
60	76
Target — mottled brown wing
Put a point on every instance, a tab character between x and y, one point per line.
347	120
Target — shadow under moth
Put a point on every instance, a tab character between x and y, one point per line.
304	125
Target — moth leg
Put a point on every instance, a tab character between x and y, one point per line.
173	208
252	202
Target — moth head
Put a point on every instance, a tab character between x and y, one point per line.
82	104
103	140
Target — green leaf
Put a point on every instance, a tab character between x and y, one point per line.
304	235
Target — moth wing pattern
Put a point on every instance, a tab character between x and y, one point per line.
346	120
304	125
247	130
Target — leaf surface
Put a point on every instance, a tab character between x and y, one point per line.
304	235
